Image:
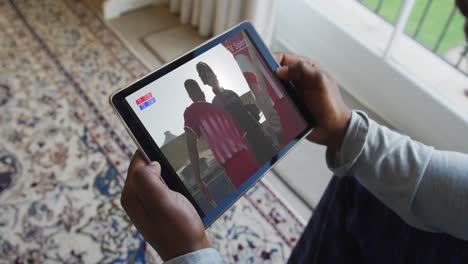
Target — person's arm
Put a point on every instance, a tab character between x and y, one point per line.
192	149
427	188
166	219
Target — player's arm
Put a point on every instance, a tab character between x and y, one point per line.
192	149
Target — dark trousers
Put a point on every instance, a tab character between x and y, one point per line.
351	226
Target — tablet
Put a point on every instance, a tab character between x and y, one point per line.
217	119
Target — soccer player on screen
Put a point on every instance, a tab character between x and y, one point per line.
222	134
291	123
260	143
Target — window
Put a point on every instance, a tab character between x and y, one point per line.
382	53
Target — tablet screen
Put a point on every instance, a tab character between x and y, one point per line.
219	119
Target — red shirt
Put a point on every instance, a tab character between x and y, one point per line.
218	127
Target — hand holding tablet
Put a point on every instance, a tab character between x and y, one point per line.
163	221
216	119
320	96
166	219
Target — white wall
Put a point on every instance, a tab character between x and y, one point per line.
114	8
405	103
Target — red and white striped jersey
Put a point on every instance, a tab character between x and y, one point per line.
217	127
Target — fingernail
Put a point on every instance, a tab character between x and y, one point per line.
154	164
281	70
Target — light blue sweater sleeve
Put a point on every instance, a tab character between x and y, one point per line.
427	188
202	256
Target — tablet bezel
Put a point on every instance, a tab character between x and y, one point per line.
152	151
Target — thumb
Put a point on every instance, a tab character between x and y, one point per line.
299	71
148	185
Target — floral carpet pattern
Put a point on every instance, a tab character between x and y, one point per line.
64	154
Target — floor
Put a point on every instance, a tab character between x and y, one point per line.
156	37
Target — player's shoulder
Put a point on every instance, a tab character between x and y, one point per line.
197	107
217	101
188	110
229	92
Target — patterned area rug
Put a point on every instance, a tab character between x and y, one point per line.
64	154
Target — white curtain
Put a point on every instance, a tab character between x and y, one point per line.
212	17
